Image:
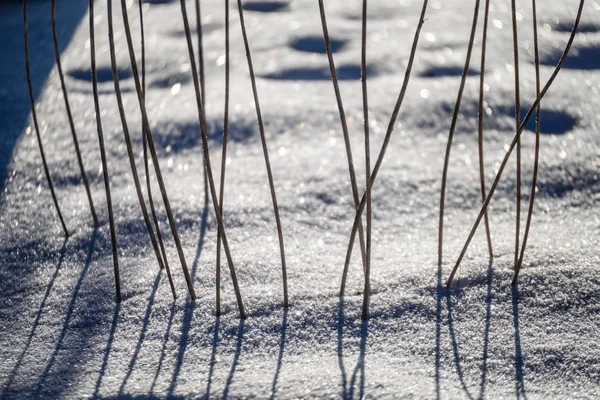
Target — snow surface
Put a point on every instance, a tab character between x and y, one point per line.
62	334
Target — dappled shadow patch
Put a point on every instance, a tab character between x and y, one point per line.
316	44
562	180
158	1
265	6
584	27
344	72
207	28
103	74
552	122
168	81
178	137
445	71
578	58
76	327
73	178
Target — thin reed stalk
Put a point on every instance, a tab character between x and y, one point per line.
480	124
70	115
388	134
363	73
111	218
159	178
146	166
517	123
35	121
211	182
461	89
347	144
263	140
537	142
200	51
516	138
136	180
223	156
202	81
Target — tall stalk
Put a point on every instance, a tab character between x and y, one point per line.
517	123
363	73
537	142
69	114
480	124
211	182
201	72
35	121
200	51
146	126
223	156
134	172
461	88
388	134
347	144
146	166
111	218
263	140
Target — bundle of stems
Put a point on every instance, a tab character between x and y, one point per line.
534	108
386	140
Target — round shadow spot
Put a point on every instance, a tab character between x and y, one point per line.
344	72
441	72
207	28
265	6
316	44
584	27
157	1
103	74
578	58
169	81
552	122
561	180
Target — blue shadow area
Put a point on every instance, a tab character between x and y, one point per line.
265	6
445	71
582	58
346	72
316	44
14	99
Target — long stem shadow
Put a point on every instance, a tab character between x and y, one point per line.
360	364
340	346
446	292
203	226
236	358
70	310
486	336
455	350
183	342
213	356
164	348
36	322
281	351
519	384
111	338
186	324
140	340
359	369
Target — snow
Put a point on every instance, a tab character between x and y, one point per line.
63	335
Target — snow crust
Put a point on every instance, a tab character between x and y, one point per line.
62	334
